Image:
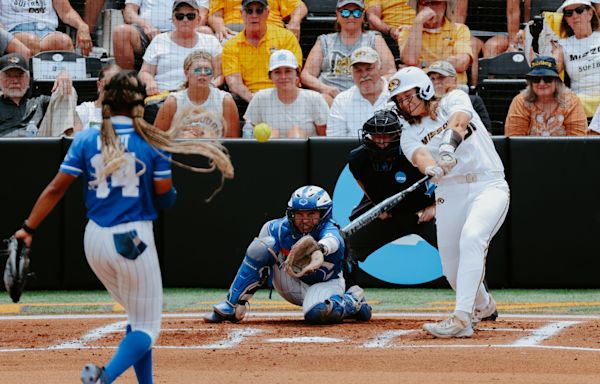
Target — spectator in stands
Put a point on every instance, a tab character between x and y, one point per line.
9	44
579	53
21	114
354	106
546	107
443	77
432	37
34	23
145	19
90	112
226	19
287	109
246	56
211	112
389	16
327	68
162	70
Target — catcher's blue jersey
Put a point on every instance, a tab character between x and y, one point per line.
285	238
123	197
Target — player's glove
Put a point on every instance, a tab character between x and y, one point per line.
16	271
435	172
450	141
305	257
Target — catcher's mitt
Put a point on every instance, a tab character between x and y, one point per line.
305	257
16	271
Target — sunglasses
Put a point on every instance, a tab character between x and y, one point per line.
345	13
180	16
547	79
259	10
202	71
579	10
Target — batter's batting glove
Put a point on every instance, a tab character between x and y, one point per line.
436	173
447	157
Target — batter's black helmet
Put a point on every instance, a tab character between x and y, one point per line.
383	122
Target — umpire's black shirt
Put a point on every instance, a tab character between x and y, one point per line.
382	184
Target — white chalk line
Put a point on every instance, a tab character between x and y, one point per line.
544	333
305	340
93	335
385	339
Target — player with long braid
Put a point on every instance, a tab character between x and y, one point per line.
127	172
320	293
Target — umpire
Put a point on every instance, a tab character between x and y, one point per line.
382	170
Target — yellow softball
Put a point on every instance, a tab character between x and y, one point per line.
262	132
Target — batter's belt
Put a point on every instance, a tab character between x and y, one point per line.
471	178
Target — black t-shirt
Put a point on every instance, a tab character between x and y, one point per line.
382	184
16	117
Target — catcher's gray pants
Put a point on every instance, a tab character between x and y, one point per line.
297	292
135	284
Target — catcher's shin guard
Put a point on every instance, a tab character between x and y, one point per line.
351	305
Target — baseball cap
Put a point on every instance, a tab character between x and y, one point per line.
282	58
364	55
13	60
342	3
543	66
191	3
442	67
248	2
573	2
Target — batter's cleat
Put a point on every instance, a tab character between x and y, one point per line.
488	313
451	327
93	374
363	312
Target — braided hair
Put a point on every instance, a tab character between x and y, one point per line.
124	95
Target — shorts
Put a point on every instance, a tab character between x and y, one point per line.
41	30
138	57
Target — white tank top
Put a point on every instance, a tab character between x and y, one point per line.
211	110
582	63
16	12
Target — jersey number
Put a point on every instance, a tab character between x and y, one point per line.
125	177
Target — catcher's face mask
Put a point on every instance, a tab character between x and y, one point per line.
305	221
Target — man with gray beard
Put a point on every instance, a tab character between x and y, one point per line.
21	114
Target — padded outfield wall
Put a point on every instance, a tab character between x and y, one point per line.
549	239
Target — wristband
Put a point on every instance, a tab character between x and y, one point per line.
27	228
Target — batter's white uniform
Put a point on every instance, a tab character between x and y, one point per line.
471	200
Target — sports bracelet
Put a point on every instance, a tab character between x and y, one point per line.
27	228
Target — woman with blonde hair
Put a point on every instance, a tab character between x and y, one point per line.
199	109
127	172
546	107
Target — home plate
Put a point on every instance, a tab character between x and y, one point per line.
305	339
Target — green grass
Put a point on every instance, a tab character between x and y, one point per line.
559	301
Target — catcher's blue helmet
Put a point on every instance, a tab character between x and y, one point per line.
308	198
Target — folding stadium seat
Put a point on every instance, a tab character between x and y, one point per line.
501	78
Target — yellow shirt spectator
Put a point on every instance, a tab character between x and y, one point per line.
252	63
394	12
451	39
278	10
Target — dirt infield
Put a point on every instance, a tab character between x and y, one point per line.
262	349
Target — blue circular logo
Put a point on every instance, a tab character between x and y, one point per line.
400	177
408	260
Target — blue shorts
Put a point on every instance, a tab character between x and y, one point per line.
41	30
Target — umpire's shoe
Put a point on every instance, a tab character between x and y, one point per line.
93	374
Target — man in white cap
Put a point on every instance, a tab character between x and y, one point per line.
443	76
289	111
354	106
433	36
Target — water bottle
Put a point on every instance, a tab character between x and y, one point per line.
31	129
247	130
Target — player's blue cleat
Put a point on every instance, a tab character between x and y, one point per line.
363	309
224	311
93	374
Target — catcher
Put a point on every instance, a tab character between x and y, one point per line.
304	252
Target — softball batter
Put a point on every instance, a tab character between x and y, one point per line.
125	176
447	140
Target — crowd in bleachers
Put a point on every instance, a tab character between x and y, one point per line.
319	67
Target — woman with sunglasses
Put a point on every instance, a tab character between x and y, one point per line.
579	53
327	68
199	110
162	69
546	107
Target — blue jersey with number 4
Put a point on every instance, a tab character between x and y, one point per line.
122	197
